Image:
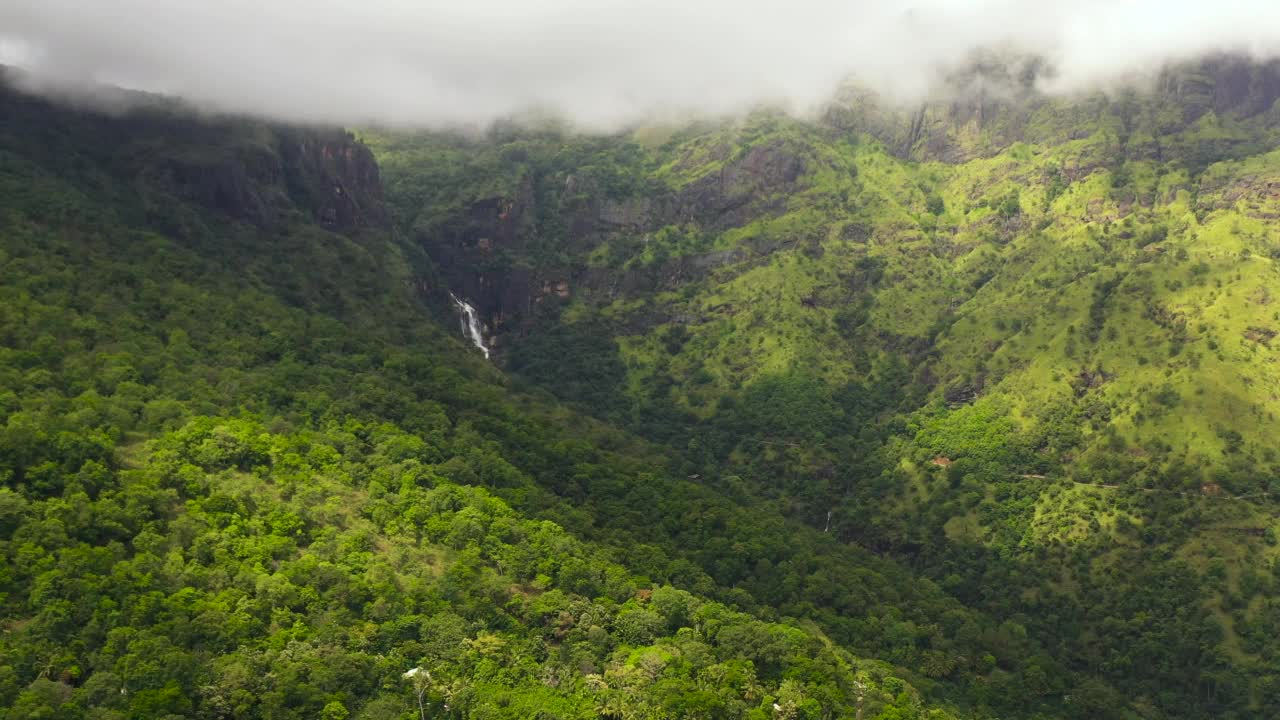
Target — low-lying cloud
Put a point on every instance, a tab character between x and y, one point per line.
598	62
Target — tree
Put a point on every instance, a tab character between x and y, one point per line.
421	682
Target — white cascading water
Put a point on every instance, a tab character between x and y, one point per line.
471	326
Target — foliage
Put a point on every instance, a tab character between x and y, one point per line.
979	434
245	475
1023	355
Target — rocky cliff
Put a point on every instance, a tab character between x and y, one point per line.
991	102
532	221
250	170
516	253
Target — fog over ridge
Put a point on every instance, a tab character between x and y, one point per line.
600	63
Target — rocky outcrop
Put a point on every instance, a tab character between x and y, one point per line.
246	169
243	184
324	173
739	191
1224	84
335	176
731	197
979	107
992	102
475	251
484	252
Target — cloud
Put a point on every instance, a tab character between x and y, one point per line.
600	62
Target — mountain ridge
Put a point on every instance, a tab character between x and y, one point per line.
924	436
1048	340
246	474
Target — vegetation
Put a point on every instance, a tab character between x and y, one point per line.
803	420
1028	357
229	494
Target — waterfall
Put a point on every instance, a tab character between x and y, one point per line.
471	326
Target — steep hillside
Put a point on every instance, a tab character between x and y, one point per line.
1022	344
961	411
247	474
772	246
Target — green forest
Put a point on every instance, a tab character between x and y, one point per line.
964	412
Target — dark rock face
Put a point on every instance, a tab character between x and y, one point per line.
335	176
727	198
246	169
231	185
1224	84
488	236
492	252
480	252
990	103
631	213
326	173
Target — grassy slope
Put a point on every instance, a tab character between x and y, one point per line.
1073	308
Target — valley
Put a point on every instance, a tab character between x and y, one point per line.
964	410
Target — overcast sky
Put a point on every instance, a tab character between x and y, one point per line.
601	62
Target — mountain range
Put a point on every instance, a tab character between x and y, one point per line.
960	410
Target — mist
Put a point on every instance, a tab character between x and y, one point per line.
598	63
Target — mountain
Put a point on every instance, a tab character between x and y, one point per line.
1021	344
247	473
956	411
